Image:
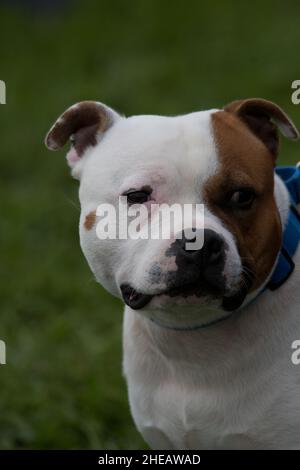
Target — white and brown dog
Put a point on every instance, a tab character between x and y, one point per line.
207	333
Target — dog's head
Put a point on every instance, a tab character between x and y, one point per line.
223	159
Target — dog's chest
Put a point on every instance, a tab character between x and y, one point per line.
175	415
231	390
174	407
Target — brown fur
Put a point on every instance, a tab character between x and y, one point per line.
263	117
246	161
90	220
82	123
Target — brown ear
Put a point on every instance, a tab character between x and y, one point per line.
263	118
80	124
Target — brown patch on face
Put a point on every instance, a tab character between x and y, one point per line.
245	162
90	220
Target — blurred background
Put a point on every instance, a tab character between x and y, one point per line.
62	386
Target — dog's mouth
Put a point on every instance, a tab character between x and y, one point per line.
134	299
230	301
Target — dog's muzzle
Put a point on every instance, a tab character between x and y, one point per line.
199	273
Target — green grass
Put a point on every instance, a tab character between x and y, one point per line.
62	386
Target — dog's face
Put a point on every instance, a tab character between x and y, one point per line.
223	159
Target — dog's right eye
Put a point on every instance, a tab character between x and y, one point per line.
242	198
137	197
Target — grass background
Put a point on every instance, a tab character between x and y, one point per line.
62	385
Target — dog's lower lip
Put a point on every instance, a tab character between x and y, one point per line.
137	300
134	299
234	301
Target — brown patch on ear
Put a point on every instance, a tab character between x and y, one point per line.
90	220
80	123
263	118
245	162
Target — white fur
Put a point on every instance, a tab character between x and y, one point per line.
229	385
175	156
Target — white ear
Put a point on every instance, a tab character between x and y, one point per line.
82	124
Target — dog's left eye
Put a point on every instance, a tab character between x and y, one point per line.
137	197
242	199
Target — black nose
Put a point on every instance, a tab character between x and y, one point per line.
204	265
211	253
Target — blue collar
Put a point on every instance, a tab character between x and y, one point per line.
290	175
